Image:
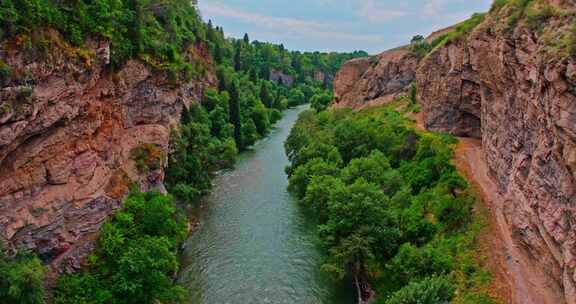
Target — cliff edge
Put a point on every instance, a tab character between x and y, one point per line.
69	126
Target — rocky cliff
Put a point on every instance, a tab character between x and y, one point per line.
511	83
69	126
377	80
372	81
515	91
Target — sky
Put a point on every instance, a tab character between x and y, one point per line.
337	25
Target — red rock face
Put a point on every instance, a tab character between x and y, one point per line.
372	81
509	90
67	129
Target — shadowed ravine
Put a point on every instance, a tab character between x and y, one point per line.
254	245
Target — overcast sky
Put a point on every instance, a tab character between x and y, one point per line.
337	25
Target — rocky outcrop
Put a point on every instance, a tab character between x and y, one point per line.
68	126
377	80
372	81
514	88
279	77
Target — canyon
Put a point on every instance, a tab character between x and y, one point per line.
511	88
70	127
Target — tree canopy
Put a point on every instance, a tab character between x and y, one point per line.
392	211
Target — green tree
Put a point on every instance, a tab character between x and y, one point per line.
296	98
235	118
431	290
261	118
300	179
320	102
238	58
265	95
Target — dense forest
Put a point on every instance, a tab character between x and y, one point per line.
393	213
136	256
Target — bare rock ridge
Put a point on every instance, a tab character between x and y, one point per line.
513	87
68	127
372	81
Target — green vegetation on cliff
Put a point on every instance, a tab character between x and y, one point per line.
392	211
155	31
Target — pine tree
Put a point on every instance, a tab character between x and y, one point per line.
218	54
265	96
235	114
246	38
237	58
210	32
253	75
265	72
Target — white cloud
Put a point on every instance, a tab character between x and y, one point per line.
293	26
376	13
434	8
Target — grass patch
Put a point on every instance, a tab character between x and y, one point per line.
460	31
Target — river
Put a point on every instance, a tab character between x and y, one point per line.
254	245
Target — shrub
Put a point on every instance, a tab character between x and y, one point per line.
5	70
432	290
538	14
148	157
21	279
459	32
419	46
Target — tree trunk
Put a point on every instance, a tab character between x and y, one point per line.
365	292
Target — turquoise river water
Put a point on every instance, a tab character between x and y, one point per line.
254	245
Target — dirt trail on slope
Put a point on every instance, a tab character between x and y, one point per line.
468	159
512	279
513	276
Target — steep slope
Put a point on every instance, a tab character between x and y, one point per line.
514	90
68	131
510	82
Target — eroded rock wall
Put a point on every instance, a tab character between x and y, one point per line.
373	81
510	88
68	127
377	80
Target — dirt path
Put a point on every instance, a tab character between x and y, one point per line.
513	282
468	159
